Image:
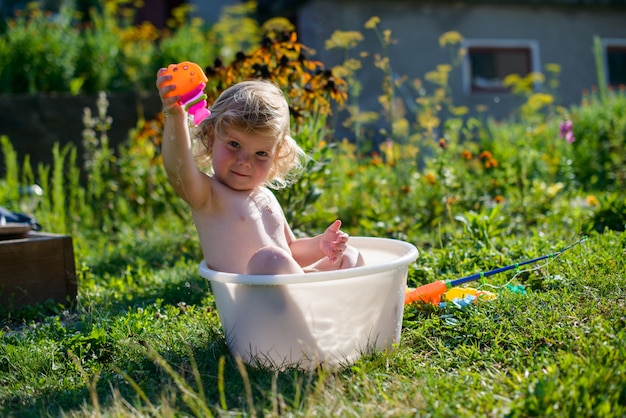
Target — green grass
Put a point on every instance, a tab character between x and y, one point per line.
145	339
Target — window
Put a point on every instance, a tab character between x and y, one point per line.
615	61
487	63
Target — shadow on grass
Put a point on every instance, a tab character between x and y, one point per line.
153	276
155	253
241	392
139	273
183	286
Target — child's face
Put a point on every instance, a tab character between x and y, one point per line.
242	161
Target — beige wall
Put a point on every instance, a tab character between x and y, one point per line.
563	36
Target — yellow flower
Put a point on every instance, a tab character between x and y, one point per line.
437	77
450	38
553	68
539	100
410	151
387	37
344	39
428	121
444	68
400	127
459	111
592	200
372	22
353	64
278	24
342	71
553	189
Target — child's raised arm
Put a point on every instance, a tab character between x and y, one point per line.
190	184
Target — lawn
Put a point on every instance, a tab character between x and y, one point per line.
145	339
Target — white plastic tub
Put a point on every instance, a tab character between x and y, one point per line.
329	318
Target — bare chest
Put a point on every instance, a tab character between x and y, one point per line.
231	233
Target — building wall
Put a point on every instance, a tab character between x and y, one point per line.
211	11
564	36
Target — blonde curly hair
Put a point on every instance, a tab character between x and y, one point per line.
254	107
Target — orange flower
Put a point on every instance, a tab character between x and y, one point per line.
376	160
485	155
499	198
466	155
430	178
491	163
443	144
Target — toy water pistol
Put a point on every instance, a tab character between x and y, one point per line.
190	82
434	292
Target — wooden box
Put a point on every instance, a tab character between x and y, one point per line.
36	267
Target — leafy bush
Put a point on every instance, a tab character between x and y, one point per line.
42	52
105	51
610	213
599	151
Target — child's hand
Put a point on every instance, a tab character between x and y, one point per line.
170	103
334	242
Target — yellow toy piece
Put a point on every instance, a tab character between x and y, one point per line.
463	292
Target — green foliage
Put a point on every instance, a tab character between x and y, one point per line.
236	31
97	66
599	152
610	214
481	227
102	50
9	186
190	42
43	52
299	199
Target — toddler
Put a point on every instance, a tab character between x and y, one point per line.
246	142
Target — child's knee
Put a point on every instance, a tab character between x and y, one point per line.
272	260
352	258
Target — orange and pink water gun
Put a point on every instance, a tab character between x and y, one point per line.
436	292
190	82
